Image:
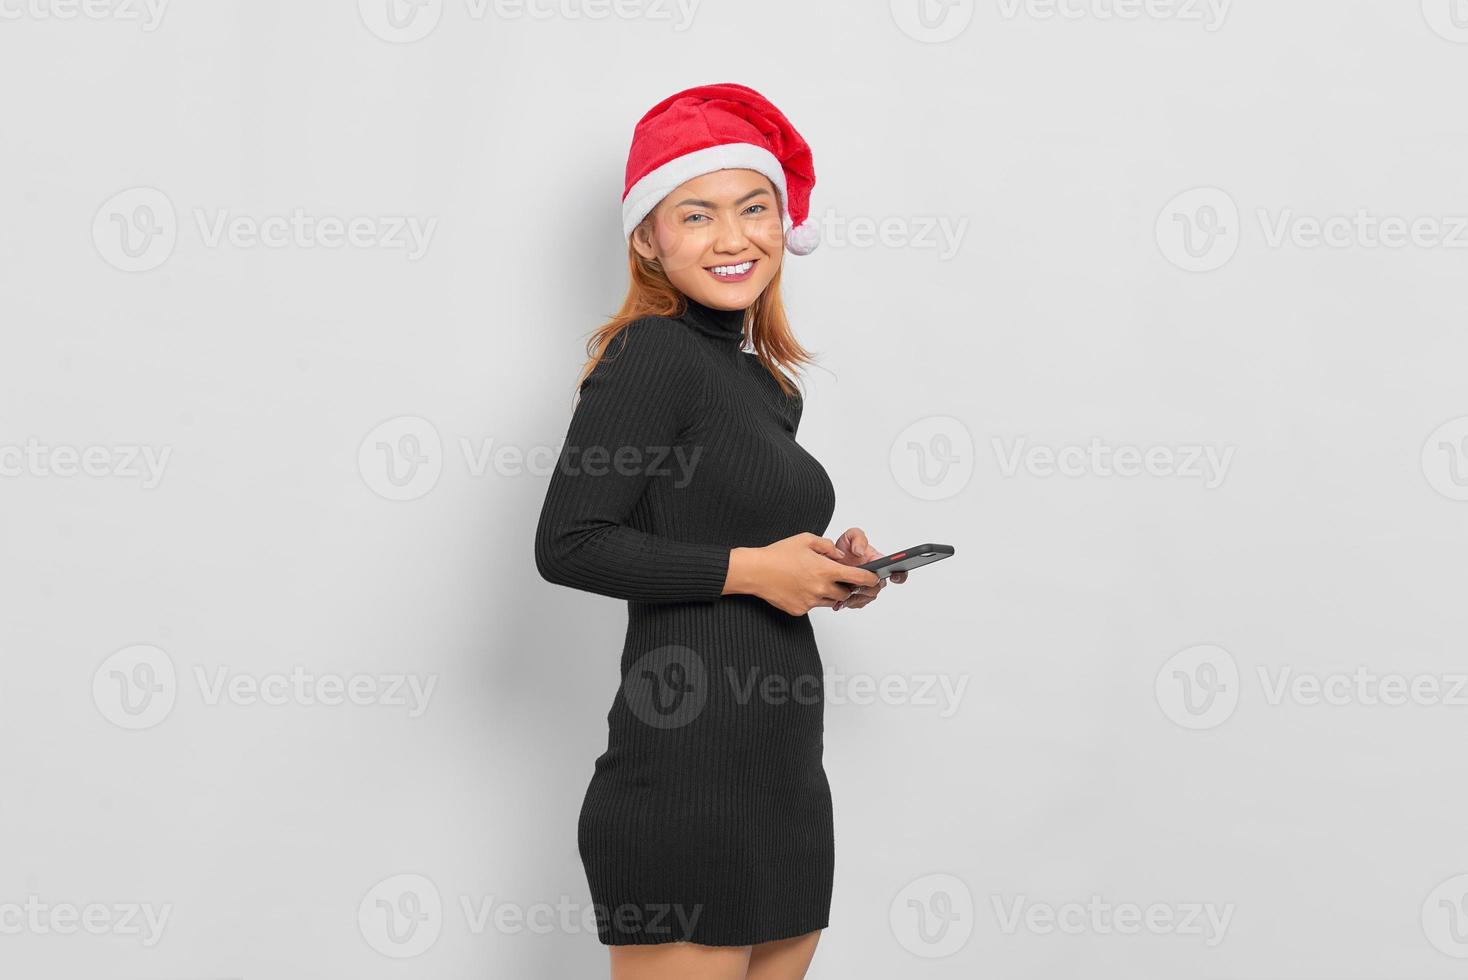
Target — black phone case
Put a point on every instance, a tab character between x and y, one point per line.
908	559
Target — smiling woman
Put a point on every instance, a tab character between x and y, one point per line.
706	831
692	210
733	222
713	176
716	239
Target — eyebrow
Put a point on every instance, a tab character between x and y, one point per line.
711	204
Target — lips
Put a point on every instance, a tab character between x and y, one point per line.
732	272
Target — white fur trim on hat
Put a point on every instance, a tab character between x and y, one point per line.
647	192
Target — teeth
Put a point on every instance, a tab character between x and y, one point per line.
733	270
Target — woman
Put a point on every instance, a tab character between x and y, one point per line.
706	831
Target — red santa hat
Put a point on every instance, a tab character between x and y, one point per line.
719	127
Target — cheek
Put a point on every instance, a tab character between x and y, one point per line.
768	234
680	249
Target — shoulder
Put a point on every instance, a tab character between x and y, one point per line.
650	354
653	337
647	345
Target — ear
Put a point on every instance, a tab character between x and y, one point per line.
642	239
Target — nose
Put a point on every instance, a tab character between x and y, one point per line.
731	237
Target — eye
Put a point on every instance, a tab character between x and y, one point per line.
755	209
690	218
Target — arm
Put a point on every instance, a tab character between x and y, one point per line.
634	401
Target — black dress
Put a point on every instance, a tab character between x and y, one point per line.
708	817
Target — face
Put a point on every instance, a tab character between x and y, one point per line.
729	221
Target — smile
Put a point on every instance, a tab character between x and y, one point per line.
732	273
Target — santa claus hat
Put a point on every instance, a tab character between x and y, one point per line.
719	127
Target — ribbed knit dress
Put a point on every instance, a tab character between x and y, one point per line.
708	817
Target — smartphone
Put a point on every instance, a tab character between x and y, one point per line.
908	559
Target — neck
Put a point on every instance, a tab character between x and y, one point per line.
726	326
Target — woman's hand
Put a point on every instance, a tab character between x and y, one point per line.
797	573
857	550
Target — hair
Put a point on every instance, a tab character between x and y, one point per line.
650	293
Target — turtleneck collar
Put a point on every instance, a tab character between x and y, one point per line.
726	326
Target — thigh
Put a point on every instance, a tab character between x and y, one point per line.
679	961
783	959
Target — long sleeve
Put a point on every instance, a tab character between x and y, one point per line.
634	402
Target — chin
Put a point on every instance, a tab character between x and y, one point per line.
740	295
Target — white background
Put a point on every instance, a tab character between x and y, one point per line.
1082	300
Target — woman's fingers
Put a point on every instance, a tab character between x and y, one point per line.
854	542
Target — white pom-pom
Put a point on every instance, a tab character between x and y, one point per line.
803	238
